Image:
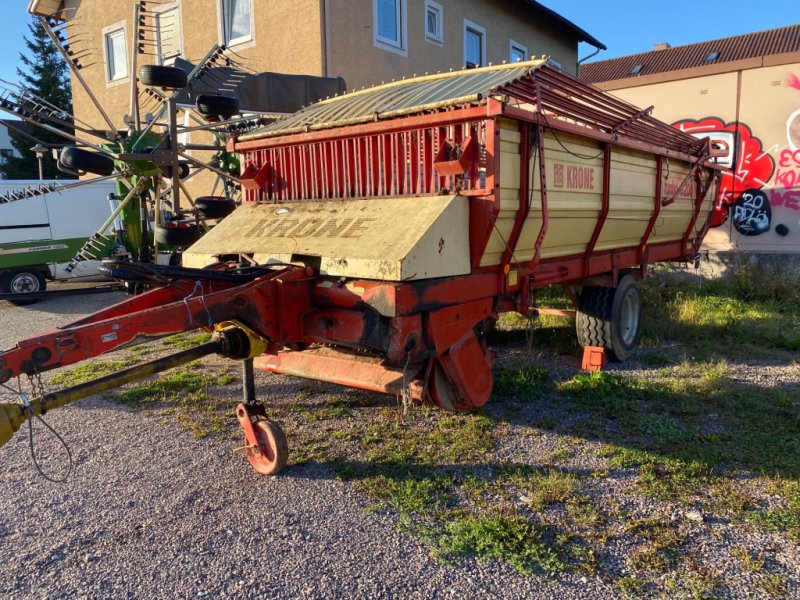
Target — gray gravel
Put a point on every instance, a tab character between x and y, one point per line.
149	512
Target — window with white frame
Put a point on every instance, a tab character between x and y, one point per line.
517	52
390	25
116	50
168	34
434	22
237	21
474	45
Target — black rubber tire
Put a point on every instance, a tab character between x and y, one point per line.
177	233
78	159
21	281
611	318
170	78
210	105
214	207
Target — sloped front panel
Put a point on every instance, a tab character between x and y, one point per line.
387	239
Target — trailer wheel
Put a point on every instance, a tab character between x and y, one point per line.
210	105
611	318
171	78
177	233
276	449
78	159
214	207
23	282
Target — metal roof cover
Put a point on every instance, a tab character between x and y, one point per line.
398	98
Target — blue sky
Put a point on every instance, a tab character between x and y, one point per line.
625	26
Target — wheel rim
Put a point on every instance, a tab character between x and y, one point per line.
272	439
629	317
24	283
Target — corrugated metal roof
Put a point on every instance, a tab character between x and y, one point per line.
398	98
740	47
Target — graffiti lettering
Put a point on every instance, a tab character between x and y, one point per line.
787	198
752	213
790	158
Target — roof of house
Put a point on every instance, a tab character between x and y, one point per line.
582	35
714	52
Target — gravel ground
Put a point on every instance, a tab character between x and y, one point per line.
150	512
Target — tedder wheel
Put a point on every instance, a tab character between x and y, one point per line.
23	282
214	207
276	449
77	159
611	317
177	233
172	78
224	107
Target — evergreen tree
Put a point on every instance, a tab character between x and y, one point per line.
44	73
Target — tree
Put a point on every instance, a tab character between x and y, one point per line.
43	72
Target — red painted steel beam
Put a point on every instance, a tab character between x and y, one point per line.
605	207
445	118
515	112
340	368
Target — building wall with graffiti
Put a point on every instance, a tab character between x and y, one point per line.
757	111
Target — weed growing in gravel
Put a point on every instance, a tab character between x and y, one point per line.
88	371
182	393
525	383
184	341
514	539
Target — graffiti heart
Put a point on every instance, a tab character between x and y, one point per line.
740	192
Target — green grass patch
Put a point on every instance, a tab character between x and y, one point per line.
89	371
182	393
185	341
513	539
720	317
528	382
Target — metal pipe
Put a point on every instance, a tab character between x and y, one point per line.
12	416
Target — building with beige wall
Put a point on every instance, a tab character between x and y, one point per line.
745	90
363	41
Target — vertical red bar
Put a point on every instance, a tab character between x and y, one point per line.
398	148
427	160
363	165
328	170
340	169
413	149
352	181
375	165
388	164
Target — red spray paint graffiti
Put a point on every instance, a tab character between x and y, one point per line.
751	166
